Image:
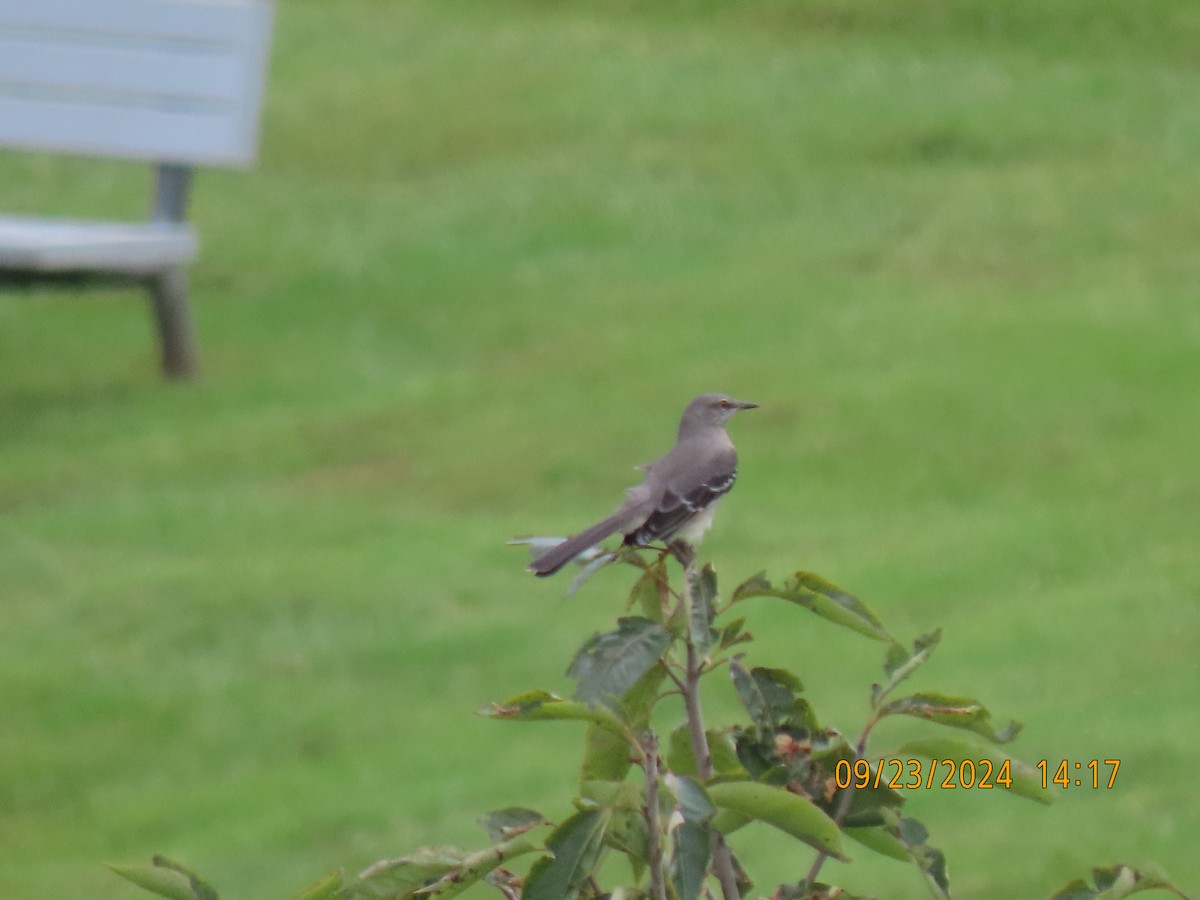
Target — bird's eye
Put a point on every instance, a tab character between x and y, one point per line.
724	404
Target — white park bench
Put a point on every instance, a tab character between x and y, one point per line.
174	83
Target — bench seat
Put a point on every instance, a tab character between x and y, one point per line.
71	245
173	83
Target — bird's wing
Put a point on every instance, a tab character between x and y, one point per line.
681	501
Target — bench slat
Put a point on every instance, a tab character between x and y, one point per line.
65	245
214	75
130	133
214	20
160	80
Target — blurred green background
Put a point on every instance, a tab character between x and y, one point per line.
489	252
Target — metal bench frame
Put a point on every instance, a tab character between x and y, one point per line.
176	83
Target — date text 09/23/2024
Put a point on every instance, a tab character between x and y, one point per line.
1098	774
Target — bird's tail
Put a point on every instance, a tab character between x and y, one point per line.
553	560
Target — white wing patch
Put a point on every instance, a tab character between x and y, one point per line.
686	516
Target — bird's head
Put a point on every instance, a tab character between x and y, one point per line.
713	409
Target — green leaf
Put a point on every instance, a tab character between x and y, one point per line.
608	665
733	634
650	592
821	597
727	821
626	831
475	867
576	847
690	798
930	860
689	858
703	596
867	802
682	760
612	794
325	889
403	877
758	754
1119	876
508	883
201	888
631	842
769	696
1077	889
503	824
880	840
608	755
157	880
541	706
954	712
689	832
1026	782
788	812
1116	882
899	663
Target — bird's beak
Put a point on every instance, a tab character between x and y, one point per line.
742	404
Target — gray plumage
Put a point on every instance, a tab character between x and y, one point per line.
677	496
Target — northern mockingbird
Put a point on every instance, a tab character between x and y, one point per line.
676	499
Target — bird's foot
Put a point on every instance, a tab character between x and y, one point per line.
684	552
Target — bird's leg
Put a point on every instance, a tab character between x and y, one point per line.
684	552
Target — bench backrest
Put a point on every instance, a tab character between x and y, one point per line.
166	81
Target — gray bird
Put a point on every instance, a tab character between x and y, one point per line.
676	500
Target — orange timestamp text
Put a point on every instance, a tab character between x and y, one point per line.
923	773
1088	773
967	773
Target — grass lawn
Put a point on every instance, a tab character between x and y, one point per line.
489	251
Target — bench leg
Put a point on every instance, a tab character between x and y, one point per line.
168	293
